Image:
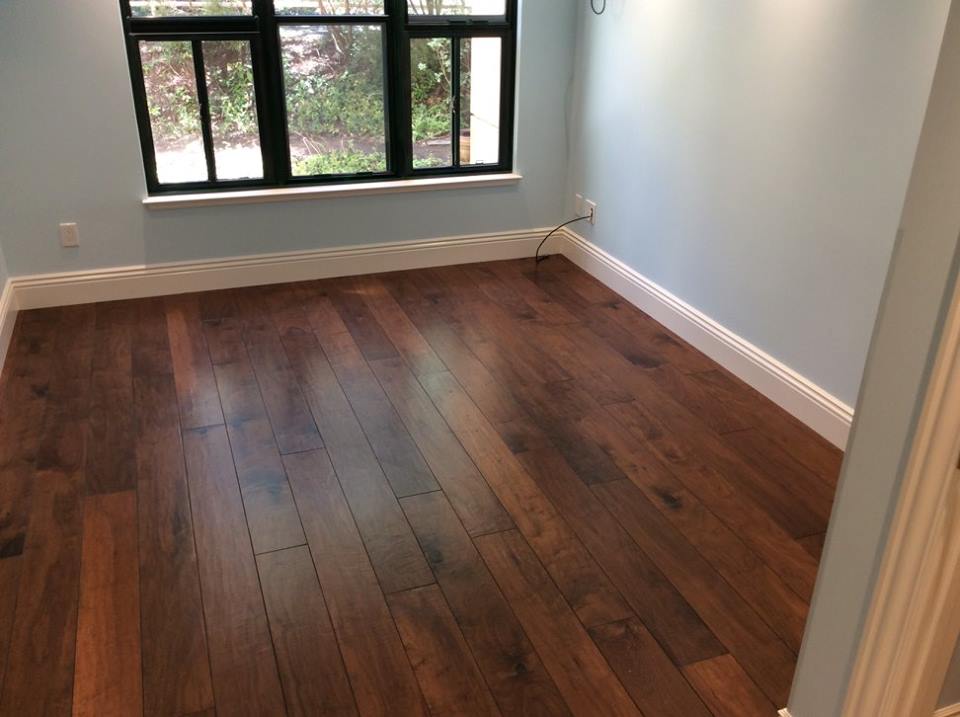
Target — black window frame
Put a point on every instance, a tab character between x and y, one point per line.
262	30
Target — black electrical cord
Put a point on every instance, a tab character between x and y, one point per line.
603	7
537	256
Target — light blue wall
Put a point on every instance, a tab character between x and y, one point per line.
69	151
752	158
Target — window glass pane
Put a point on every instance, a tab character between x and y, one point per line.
168	8
480	100
329	7
457	7
431	102
174	111
233	109
333	78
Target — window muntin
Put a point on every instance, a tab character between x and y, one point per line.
320	91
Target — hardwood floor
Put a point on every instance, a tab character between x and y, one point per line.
472	490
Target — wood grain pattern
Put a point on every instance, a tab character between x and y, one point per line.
514	672
482	489
245	678
107	680
196	387
727	689
449	677
577	575
582	675
382	679
176	665
653	681
41	656
311	670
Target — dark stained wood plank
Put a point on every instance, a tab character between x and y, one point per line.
504	295
720	416
398	327
39	676
638	352
396	558
107	680
176	666
26	387
9	584
674	351
268	502
579	670
494	400
511	274
245	678
555	340
111	460
735	506
196	387
813	544
785	473
651	596
810	449
382	679
311	670
397	452
559	409
514	672
402	463
449	677
150	349
466	489
293	426
348	299
727	689
582	582
766	658
700	443
652	680
779	606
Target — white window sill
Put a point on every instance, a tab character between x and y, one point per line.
329	191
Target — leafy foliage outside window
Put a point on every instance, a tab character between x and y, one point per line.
334	88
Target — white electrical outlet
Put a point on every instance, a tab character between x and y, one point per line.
69	235
591	210
578	205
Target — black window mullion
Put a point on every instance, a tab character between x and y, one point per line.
276	150
400	131
204	101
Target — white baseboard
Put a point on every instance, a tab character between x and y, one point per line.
948	711
824	413
134	282
802	398
8	318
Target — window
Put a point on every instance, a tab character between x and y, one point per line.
271	93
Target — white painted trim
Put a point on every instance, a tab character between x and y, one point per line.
132	282
912	624
328	191
784	713
812	405
8	318
795	393
948	711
